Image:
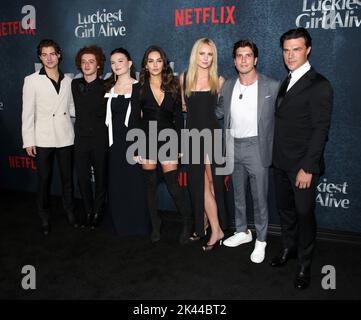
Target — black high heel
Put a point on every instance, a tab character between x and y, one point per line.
194	237
209	247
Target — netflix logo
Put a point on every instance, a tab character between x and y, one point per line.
19	162
13	28
207	15
26	26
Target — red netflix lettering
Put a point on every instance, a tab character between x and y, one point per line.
17	162
12	28
207	15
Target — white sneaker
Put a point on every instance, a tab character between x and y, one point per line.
258	253
238	238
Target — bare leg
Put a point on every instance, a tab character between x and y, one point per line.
210	206
208	172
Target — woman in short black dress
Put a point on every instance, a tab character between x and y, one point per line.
161	106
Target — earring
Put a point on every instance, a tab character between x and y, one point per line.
115	77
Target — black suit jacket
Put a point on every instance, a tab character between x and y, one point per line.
302	122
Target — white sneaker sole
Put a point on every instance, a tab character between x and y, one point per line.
233	245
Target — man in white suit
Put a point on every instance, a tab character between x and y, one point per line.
47	129
247	106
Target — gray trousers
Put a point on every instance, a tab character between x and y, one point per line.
248	165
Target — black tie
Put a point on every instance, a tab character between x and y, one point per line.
283	90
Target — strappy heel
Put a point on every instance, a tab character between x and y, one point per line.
209	247
194	237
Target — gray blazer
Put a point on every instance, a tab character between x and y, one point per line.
267	94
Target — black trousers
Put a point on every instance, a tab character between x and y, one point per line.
45	163
91	154
297	212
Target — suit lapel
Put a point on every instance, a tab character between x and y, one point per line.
262	92
300	85
59	97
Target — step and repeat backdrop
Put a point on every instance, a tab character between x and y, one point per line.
175	25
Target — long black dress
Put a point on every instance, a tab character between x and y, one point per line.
127	200
201	115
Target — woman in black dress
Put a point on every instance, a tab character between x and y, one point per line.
91	139
201	85
161	106
126	193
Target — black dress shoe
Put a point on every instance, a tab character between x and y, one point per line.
71	219
303	278
45	229
282	259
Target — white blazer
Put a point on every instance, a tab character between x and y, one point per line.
46	114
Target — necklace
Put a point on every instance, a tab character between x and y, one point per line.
242	92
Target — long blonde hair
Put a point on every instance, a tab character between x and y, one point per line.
191	78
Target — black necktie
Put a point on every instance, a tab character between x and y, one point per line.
283	90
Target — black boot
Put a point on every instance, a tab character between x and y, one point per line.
181	203
150	177
86	221
72	219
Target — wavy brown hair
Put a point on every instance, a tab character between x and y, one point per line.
98	54
48	43
169	83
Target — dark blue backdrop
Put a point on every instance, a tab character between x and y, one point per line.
175	25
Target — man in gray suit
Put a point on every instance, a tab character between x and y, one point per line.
247	106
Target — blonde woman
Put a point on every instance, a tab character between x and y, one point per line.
200	87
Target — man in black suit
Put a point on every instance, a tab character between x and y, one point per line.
91	134
302	121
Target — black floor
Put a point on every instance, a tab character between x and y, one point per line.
96	264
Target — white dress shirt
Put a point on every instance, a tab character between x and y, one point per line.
298	73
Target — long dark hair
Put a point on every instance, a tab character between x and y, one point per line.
110	82
169	82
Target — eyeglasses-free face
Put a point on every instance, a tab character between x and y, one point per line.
295	53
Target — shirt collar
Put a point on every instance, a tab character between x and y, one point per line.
61	74
95	81
298	73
